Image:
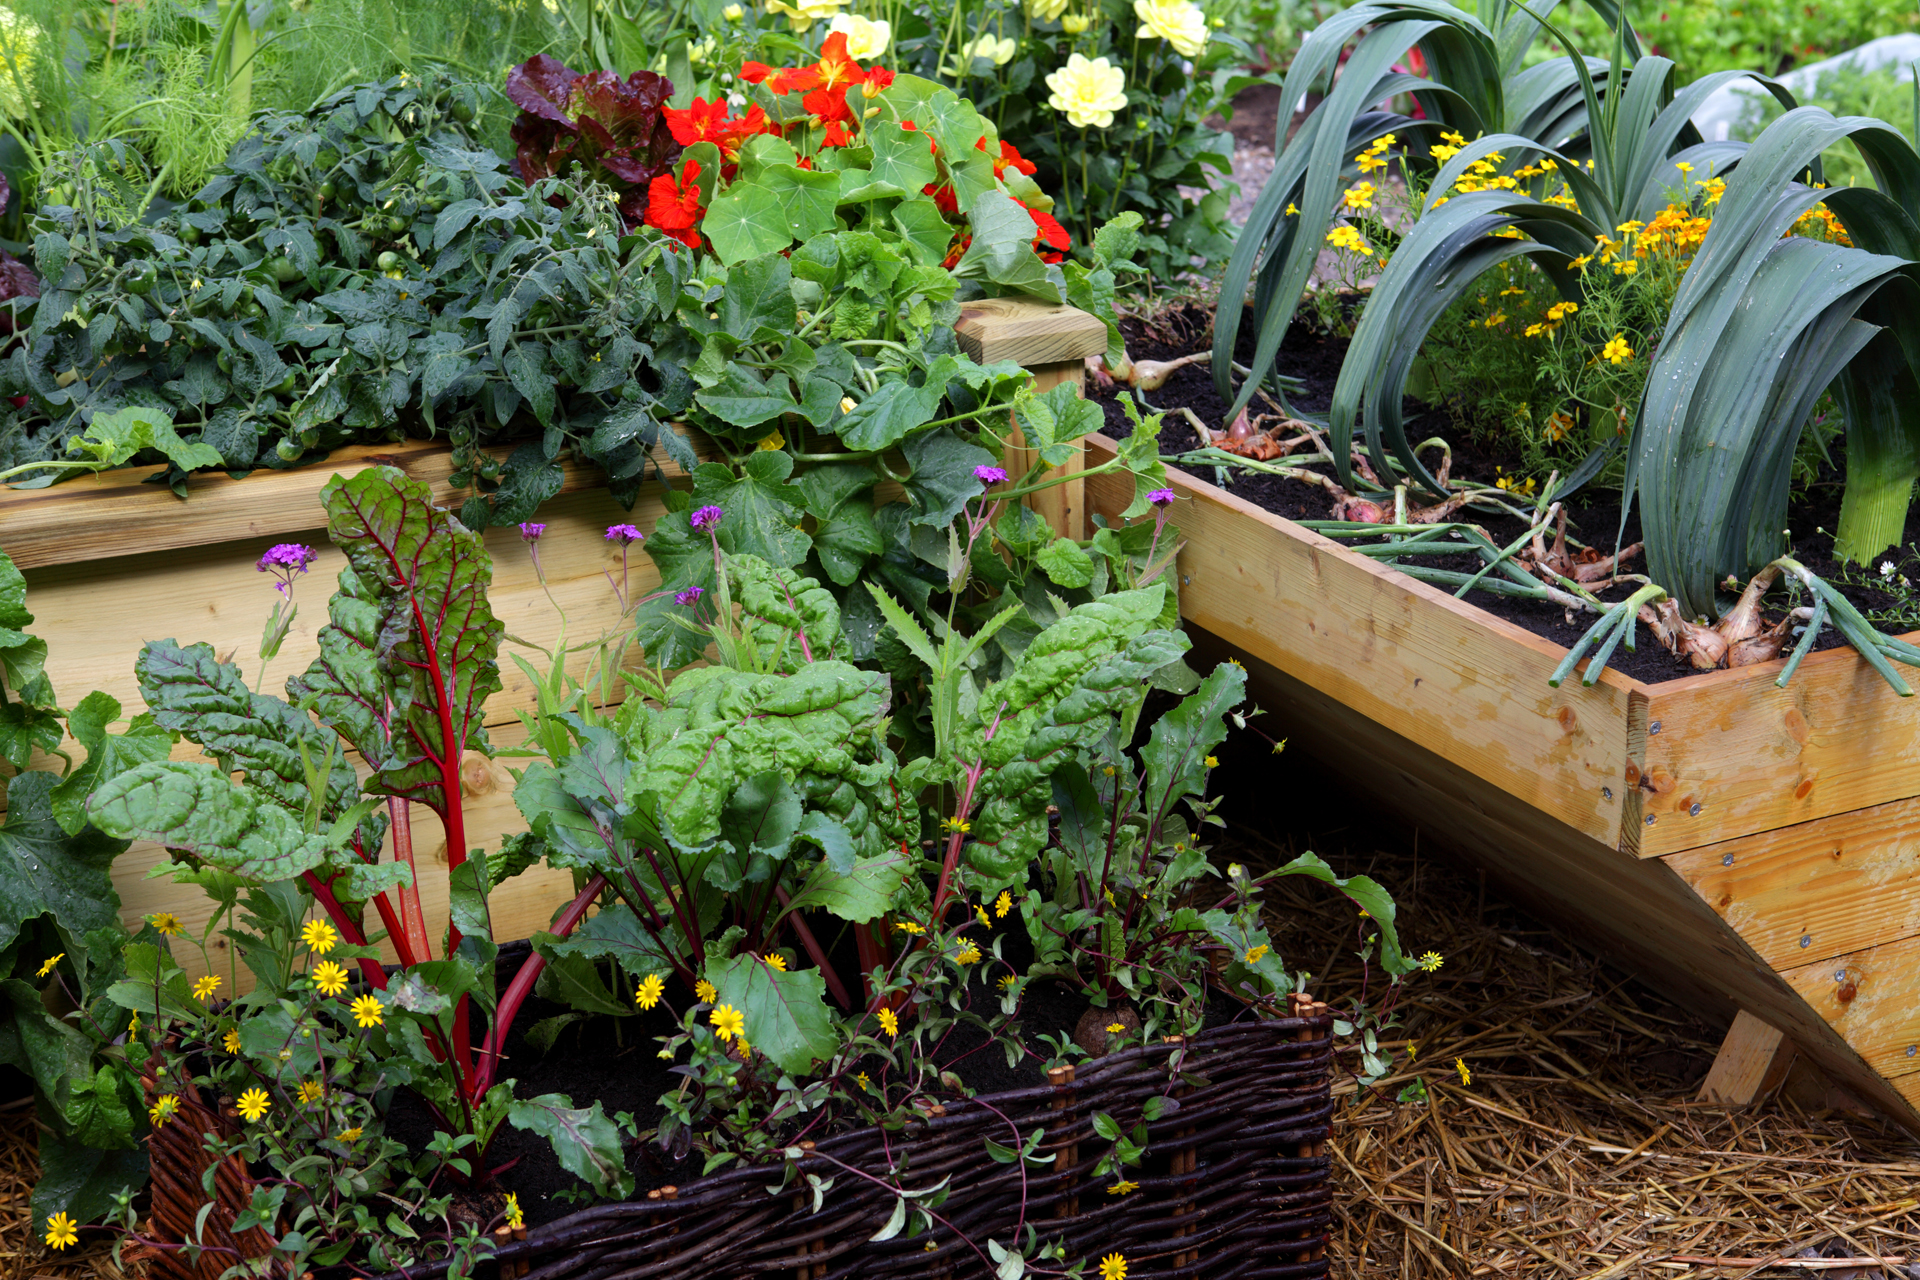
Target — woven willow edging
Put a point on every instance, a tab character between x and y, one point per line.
1234	1183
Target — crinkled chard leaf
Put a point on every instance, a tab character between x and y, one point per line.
786	1013
197	809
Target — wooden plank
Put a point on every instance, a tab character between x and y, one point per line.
1063	506
1751	1064
1028	333
96	614
1734	755
1419	662
1634	912
1872	998
117	513
1815	890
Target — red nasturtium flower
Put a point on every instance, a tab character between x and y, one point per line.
932	147
1053	240
793	80
879	80
943	198
835	68
1008	159
709	122
674	207
754	72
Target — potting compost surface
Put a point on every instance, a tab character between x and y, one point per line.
1314	358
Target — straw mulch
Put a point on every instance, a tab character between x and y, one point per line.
1576	1149
22	1255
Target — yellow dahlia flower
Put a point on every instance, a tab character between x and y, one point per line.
1179	22
1089	91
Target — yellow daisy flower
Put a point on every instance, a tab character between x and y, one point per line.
253	1104
1003	904
1256	954
47	968
1123	1188
162	1109
330	978
62	1231
203	988
889	1022
515	1218
776	962
319	936
1460	1065
367	1011
312	1091
232	1041
648	993
166	923
727	1021
1431	960
1113	1267
705	990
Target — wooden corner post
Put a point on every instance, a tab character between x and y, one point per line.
1053	342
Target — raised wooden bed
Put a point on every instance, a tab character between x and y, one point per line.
1753	848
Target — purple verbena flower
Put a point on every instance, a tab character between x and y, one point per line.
705	518
1161	497
624	534
287	561
689	596
532	532
989	475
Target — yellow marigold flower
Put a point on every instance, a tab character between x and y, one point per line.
515	1218
1626	267
162	1109
1580	263
1113	1267
1629	227
1123	1188
1431	960
1683	166
62	1231
311	1091
776	961
889	1022
1115	1028
47	968
908	926
1557	427
232	1042
166	923
1358	196
1495	320
1292	208
1561	310
1346	237
1089	91
330	978
705	990
1256	954
253	1104
969	954
1513	292
1460	1065
648	993
1617	350
1003	904
203	988
319	936
727	1021
368	1012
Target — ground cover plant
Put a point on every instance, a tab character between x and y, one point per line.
1540	181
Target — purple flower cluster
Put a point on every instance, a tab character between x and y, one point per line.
989	475
287	561
625	534
689	596
705	518
1161	497
532	532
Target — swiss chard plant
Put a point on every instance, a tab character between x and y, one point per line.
406	662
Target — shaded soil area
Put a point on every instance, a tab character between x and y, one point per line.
1313	357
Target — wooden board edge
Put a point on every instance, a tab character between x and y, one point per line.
1028	332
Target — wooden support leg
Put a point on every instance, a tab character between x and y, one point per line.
1751	1064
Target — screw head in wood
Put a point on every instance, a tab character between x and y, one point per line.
1606	793
1806	939
1650	819
1913	1049
1726	859
1654	727
1694	812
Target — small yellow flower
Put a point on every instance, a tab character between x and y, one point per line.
1002	904
733	13
1431	960
515	1218
1626	267
776	962
980	912
1006	983
311	1091
969	954
705	990
1256	954
1617	349
742	1048
1561	310
1580	263
1212	762
648	993
232	1042
166	923
1113	1267
203	988
1115	1028
727	1021
768	445
330	978
1460	1065
319	936
253	1104
847	403
1413	1050
62	1231
47	968
367	1011
1292	208
1358	196
1497	319
162	1109
889	1022
350	1135
1075	23
956	824
908	926
1123	1188
133	1024
862	1081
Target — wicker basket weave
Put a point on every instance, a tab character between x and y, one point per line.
1234	1183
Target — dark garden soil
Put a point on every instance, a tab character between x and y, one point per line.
1314	358
615	1060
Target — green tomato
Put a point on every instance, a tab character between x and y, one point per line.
283	268
396	225
189	234
250	309
326	190
288	450
286	384
388	260
225	361
141	276
462	111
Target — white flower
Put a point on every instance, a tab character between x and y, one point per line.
866	37
1047	10
1089	91
807	12
1180	23
1886	568
998	52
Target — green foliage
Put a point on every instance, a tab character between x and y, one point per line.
1704	36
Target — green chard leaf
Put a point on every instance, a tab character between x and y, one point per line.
786	1013
196	808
